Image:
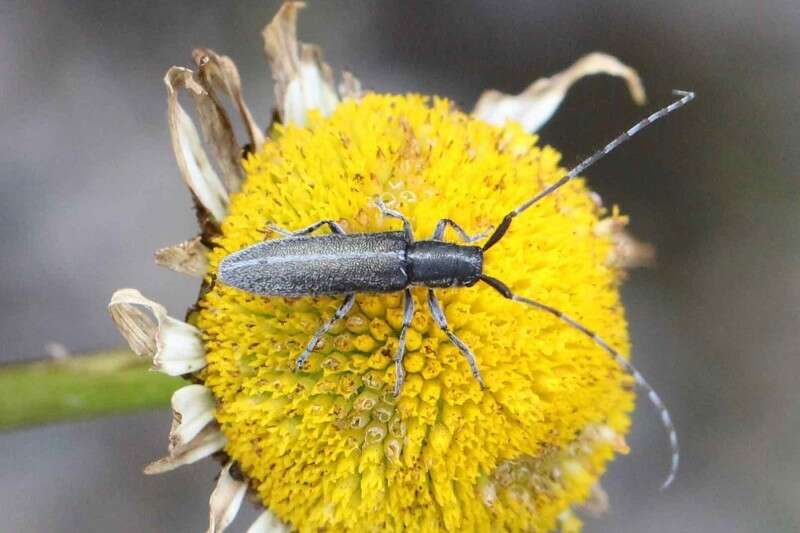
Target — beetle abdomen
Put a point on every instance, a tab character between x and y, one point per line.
328	264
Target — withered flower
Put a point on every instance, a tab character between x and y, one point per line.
330	447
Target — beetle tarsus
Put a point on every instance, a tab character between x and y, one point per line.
477	375
301	361
400	377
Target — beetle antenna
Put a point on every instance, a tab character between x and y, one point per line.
652	395
686	97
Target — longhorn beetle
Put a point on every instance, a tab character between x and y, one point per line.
338	263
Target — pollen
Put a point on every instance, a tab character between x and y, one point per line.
329	447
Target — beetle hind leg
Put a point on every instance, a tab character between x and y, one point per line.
340	313
438	315
408	314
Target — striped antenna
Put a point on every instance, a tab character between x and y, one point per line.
655	399
653	396
686	97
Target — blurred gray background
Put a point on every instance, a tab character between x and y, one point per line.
89	188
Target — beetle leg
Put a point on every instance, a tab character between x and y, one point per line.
340	313
400	372
334	227
438	315
385	211
442	225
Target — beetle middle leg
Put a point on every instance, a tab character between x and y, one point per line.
341	312
438	315
334	227
441	226
408	314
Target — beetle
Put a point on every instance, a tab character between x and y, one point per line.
346	264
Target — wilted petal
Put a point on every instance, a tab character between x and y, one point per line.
210	440
217	130
488	493
219	73
194	433
597	502
192	410
350	86
225	501
195	167
189	257
302	80
627	251
568	522
175	346
267	522
535	105
616	440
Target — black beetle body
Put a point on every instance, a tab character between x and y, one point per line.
340	264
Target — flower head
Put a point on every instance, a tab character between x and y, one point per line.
331	446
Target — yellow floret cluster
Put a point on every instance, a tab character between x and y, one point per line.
329	447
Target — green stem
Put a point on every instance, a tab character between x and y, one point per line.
79	387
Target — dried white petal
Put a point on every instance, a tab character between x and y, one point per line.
175	346
302	80
219	73
188	257
627	251
225	501
535	105
210	440
195	167
350	86
609	435
567	521
597	502
192	410
488	493
218	132
267	522
194	434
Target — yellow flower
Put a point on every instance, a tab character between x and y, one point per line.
330	447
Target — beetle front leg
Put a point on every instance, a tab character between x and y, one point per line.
441	226
333	225
340	313
400	372
385	211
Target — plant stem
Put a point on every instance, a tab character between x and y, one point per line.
79	387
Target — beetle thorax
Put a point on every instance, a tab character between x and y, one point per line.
443	264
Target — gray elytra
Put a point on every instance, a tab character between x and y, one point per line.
346	264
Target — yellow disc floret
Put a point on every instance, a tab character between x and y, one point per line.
329	447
